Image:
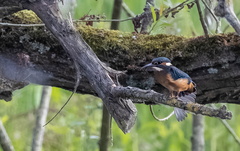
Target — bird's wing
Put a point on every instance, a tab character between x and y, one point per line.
180	113
178	74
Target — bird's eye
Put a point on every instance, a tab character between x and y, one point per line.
156	63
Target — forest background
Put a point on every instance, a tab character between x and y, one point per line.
78	125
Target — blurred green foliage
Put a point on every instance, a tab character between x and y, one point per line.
77	127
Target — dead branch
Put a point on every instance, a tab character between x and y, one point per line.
224	9
37	57
152	97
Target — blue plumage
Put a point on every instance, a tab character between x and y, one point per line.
161	59
178	74
168	75
174	71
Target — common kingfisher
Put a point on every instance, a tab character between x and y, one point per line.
179	83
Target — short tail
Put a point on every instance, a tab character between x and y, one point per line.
180	113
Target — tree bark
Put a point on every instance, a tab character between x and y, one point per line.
41	119
32	55
224	9
4	11
212	63
85	60
105	137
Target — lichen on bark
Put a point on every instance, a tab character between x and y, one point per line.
197	56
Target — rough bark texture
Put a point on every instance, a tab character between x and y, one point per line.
144	20
32	54
4	11
151	97
85	60
213	62
105	137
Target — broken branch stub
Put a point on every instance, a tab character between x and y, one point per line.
124	112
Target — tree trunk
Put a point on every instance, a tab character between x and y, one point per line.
85	61
213	63
41	119
105	140
198	133
117	7
32	55
5	141
105	137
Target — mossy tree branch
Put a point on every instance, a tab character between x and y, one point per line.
35	56
84	59
152	97
213	63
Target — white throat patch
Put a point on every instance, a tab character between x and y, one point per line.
157	69
168	64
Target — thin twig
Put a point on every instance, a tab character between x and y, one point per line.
106	20
201	18
213	15
60	109
75	21
229	128
21	25
169	10
131	14
162	119
127	10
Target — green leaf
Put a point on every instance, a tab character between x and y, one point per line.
153	13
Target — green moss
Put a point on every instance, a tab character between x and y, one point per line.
25	17
129	48
109	40
112	41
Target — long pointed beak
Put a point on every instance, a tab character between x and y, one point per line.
147	65
151	67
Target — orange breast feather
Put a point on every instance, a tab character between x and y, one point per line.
173	85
